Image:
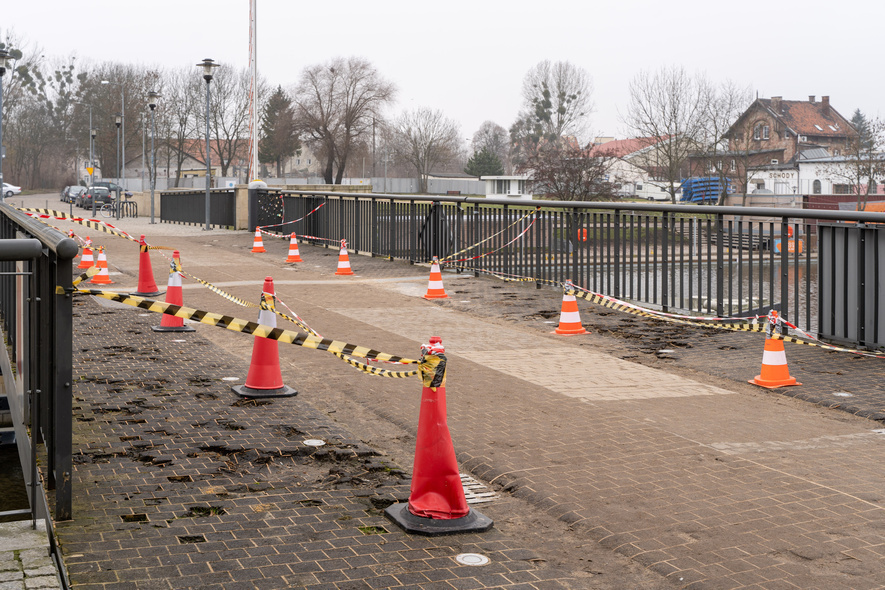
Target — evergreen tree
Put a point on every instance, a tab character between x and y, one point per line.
279	136
484	163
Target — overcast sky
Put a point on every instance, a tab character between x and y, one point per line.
468	58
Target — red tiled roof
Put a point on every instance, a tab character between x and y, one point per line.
809	118
620	148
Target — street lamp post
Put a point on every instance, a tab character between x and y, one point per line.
121	175
117	121
92	133
152	103
207	65
4	64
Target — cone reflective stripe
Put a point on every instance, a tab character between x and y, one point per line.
343	261
171	323
147	286
258	244
264	378
435	289
775	372
437	504
569	317
86	259
294	255
102	277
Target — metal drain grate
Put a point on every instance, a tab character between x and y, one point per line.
475	492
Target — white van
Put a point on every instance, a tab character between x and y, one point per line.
655	191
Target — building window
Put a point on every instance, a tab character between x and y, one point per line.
815	187
757	131
733	165
298	162
774	162
837	152
765	132
841	189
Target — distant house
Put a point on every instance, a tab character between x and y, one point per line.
632	166
507	186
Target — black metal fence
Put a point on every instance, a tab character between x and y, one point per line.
722	261
36	363
183	206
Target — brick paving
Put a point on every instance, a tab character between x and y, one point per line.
697	480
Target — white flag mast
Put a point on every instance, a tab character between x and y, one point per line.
253	93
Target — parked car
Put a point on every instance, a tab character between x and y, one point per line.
111	186
72	192
9	190
100	194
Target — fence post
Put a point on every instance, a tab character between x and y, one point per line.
665	272
617	261
720	263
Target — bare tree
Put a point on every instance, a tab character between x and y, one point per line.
335	104
564	171
229	117
668	105
183	115
723	106
426	139
493	138
862	164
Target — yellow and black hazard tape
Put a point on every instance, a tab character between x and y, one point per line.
375	370
91	271
794	340
481	242
90	223
245	326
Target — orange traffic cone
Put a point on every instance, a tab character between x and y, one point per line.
569	318
294	255
435	288
171	323
258	244
147	286
774	371
102	277
264	378
437	505
86	259
343	261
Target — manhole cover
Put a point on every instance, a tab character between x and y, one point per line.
472	559
314	442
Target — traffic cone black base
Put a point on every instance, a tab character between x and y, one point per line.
172	329
245	391
474	522
154	294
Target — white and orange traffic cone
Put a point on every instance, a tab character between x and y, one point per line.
437	505
775	372
343	261
294	255
258	243
174	297
265	378
569	317
147	286
435	289
87	259
102	277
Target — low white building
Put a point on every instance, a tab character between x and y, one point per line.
816	173
507	186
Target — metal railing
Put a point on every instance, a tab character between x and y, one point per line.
722	261
189	206
37	361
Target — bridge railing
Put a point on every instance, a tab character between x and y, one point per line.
722	261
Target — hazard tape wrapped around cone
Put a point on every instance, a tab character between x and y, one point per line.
294	255
435	289
102	277
147	286
774	372
265	378
171	323
437	505
86	259
569	317
343	261
258	243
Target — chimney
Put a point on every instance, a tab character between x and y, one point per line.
825	101
811	98
776	103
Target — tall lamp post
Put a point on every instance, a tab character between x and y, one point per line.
92	134
207	65
5	63
118	119
121	120
152	103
